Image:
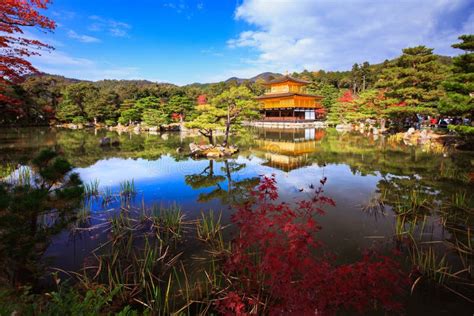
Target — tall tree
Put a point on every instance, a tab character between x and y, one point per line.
80	103
181	105
460	85
15	15
414	81
208	119
239	104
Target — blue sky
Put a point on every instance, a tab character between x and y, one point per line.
206	41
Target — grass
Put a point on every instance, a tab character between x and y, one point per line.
107	195
430	265
91	189
127	188
144	265
209	227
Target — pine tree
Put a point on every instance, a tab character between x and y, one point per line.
413	81
460	85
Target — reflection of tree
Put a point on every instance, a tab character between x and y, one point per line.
38	206
205	179
235	191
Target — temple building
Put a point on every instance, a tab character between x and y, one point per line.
286	100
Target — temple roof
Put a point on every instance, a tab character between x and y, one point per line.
287	94
285	79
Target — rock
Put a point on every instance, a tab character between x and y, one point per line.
153	129
343	127
173	127
104	141
213	153
194	148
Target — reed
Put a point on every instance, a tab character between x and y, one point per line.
91	189
209	227
24	176
127	188
430	265
107	195
167	222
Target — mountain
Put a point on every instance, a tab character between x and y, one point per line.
266	76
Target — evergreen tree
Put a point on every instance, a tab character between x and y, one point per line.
413	81
460	84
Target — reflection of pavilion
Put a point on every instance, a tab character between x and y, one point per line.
288	149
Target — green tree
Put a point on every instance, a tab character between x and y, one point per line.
208	119
154	117
130	115
182	105
238	104
329	93
79	100
108	105
460	84
413	81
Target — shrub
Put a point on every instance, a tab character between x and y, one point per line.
110	122
79	120
462	130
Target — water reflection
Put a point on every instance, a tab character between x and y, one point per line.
361	171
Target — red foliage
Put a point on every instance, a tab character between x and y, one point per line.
280	264
402	103
347	97
176	117
202	99
16	15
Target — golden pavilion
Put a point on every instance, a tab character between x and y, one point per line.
287	149
286	100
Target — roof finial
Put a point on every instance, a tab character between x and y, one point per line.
286	72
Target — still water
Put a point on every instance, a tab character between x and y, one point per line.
360	170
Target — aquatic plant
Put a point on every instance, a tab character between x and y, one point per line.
107	195
429	265
127	188
208	227
32	212
91	189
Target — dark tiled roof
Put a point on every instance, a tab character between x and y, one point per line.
287	78
287	94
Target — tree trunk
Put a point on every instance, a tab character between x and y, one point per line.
382	125
227	129
211	138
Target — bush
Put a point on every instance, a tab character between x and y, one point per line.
110	122
129	115
152	117
79	120
462	130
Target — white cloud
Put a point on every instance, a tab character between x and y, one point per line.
58	62
82	38
289	35
115	28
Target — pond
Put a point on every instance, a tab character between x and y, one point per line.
366	177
